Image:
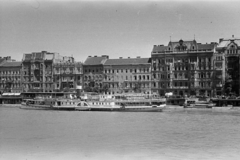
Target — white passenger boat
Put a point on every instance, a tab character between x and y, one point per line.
127	106
55	104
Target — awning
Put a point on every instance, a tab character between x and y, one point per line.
79	87
11	94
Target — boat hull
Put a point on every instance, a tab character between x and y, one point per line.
35	107
128	109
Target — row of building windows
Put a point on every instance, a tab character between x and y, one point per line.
232	51
183	75
13	85
184	68
10	72
128	78
93	77
140	70
94	70
129	85
67	78
32	79
219	58
182	60
183	48
3	79
37	86
182	84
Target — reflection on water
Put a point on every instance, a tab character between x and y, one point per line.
172	135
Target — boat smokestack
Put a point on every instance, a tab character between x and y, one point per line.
78	90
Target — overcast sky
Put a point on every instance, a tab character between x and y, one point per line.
117	29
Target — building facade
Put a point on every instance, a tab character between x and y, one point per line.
227	66
93	73
37	71
10	76
183	67
126	75
68	75
10	81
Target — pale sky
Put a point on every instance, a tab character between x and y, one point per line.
118	29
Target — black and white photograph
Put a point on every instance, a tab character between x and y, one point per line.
119	80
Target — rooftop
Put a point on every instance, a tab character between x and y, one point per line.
95	60
127	61
225	42
183	46
11	64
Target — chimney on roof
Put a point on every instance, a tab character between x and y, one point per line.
95	56
213	42
220	40
138	57
120	57
161	45
90	56
232	36
128	57
106	56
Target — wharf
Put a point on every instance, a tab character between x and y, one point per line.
226	102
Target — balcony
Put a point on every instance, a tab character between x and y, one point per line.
67	80
218	68
177	79
179	87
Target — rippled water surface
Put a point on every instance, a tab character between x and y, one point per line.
171	135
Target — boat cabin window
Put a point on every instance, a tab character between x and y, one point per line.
79	104
190	102
31	102
85	104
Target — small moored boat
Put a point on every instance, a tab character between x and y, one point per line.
196	103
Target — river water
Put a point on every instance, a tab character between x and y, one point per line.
170	135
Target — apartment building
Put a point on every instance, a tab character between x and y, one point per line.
10	81
68	75
126	75
183	68
93	72
226	64
10	77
